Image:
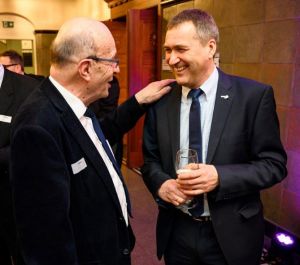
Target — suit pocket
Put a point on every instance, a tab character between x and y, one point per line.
251	209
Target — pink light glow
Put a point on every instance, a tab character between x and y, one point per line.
284	239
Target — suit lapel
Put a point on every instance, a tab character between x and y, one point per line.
6	93
224	98
76	129
173	112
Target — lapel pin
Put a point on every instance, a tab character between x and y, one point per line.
225	96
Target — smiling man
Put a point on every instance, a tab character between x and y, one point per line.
71	202
232	124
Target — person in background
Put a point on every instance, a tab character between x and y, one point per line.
211	214
105	106
71	203
14	88
14	62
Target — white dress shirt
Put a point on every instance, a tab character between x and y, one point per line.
207	103
79	109
1	74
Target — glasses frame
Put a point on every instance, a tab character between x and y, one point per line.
9	65
100	59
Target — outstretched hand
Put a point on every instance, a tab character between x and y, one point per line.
153	91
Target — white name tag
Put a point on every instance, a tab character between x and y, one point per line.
78	166
5	118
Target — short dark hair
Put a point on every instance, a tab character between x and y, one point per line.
204	23
14	56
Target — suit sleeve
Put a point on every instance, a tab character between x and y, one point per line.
268	164
116	124
41	192
153	172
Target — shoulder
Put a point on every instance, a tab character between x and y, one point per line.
22	79
242	82
244	87
171	97
22	84
36	110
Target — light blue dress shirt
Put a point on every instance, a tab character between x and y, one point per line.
207	103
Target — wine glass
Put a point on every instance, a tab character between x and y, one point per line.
183	158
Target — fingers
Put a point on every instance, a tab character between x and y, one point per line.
166	82
153	91
159	94
195	192
199	180
170	192
192	166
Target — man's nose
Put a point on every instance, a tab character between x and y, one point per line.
117	69
173	59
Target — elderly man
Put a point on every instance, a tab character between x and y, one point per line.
71	201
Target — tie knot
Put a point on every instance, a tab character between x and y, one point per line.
195	93
89	113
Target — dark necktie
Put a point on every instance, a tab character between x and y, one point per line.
89	113
195	140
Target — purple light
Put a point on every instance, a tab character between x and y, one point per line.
284	240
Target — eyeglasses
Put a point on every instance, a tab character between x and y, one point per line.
115	62
9	65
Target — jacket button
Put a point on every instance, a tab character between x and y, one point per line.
121	218
125	251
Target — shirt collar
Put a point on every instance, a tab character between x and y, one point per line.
74	102
209	86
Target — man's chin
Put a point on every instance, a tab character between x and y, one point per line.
181	82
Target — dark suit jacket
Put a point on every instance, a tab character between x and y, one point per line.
66	217
244	146
14	89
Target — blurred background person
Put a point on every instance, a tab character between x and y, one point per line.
13	61
14	88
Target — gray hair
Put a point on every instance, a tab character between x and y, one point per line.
204	23
78	45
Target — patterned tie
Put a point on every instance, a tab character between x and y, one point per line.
195	141
89	113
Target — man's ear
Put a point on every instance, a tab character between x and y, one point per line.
18	69
84	69
212	45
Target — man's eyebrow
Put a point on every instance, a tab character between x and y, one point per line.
176	46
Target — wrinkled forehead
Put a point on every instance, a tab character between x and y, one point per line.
105	42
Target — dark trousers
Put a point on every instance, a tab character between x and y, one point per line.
9	248
193	243
5	255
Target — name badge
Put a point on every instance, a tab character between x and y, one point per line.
78	166
5	118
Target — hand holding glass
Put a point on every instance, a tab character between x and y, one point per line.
183	158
